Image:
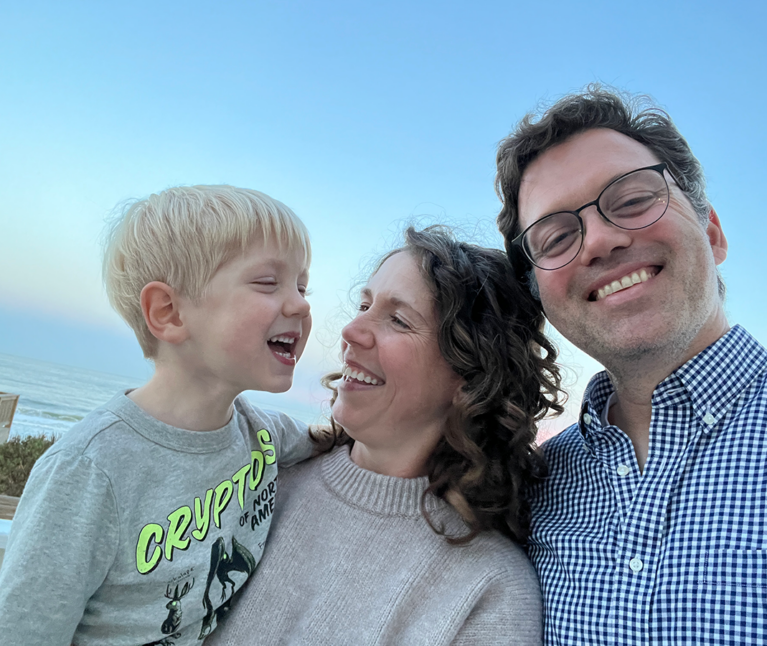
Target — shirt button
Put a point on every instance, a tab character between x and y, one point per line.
623	470
636	564
586	418
709	419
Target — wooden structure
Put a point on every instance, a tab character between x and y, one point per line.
8	404
8	507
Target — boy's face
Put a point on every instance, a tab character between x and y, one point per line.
252	324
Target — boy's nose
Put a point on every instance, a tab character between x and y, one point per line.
297	305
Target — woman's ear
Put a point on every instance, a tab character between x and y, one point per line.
159	304
459	393
716	237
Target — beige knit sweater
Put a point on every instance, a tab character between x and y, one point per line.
350	560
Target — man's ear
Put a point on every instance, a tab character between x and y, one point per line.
159	304
716	237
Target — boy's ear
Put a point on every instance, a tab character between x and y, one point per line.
159	304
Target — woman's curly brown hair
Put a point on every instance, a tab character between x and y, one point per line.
491	334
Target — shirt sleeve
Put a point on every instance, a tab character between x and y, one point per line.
507	611
62	543
289	435
292	438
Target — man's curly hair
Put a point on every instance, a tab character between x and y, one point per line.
490	332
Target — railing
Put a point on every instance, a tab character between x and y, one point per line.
7	509
8	404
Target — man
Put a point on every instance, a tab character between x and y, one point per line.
650	527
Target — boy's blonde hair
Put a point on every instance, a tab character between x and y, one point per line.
182	236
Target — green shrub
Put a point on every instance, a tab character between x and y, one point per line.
17	456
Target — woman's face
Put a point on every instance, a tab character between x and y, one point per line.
397	388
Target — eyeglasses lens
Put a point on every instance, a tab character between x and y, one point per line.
634	201
554	240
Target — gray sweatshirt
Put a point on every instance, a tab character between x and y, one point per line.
132	532
350	560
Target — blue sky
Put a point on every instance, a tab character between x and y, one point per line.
360	117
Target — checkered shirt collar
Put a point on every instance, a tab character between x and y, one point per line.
711	380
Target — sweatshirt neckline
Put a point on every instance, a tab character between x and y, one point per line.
374	492
171	437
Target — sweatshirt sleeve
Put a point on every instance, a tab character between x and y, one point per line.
62	543
293	440
289	435
507	611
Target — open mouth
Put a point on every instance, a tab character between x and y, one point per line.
360	376
283	346
628	281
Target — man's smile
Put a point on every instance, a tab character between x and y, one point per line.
628	280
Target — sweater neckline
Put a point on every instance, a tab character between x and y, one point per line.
374	492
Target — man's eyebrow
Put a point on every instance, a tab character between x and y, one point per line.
607	183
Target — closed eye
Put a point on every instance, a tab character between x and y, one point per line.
399	322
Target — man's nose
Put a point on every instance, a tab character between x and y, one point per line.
600	237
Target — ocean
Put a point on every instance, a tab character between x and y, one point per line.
54	397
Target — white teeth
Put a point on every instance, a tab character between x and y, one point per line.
358	375
283	339
627	281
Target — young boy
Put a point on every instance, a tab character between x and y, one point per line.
139	523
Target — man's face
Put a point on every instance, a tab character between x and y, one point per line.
676	310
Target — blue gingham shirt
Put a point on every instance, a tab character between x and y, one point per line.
674	555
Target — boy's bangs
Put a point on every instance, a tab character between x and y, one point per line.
289	238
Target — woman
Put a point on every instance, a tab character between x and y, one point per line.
400	535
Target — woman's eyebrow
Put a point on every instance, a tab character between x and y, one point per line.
393	300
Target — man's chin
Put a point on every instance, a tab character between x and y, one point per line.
647	346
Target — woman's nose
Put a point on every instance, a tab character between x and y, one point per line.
358	332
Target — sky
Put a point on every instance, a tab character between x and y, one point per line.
362	117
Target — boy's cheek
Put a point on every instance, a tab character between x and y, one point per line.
306	328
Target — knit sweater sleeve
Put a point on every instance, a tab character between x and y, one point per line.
506	611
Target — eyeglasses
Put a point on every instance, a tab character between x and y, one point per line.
632	201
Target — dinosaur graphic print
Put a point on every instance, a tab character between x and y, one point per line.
221	564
